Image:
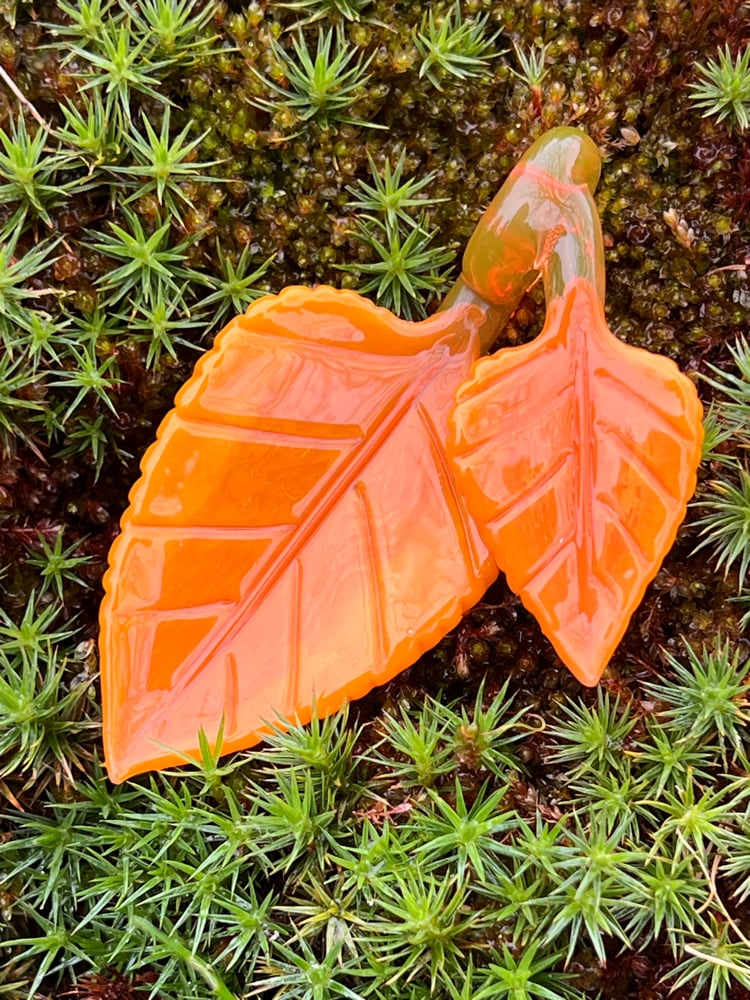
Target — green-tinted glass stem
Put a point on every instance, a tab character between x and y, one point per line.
543	221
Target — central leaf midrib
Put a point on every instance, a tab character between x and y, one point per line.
398	405
584	461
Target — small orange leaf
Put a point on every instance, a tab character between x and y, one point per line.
296	534
577	454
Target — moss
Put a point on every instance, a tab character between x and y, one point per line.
674	199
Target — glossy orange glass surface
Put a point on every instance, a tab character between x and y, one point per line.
577	453
317	508
296	534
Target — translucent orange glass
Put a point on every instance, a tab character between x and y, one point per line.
319	506
576	453
580	520
296	533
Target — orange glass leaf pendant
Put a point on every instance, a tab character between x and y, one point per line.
296	533
577	453
320	506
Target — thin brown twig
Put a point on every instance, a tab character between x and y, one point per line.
11	84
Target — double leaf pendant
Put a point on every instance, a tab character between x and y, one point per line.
335	486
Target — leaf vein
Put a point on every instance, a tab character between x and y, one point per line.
652	478
374	572
669	426
453	499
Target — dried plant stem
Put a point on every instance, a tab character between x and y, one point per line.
11	84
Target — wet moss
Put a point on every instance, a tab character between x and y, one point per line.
674	200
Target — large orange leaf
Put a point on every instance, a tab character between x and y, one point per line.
578	454
295	534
